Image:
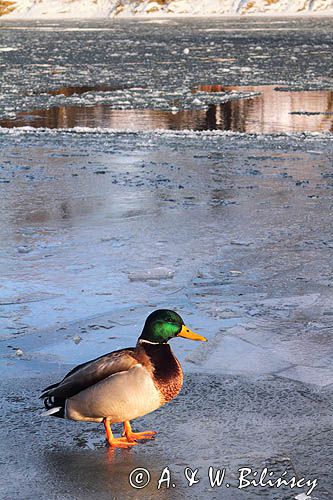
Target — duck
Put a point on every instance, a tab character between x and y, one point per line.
125	384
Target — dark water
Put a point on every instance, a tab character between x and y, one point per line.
83	89
269	109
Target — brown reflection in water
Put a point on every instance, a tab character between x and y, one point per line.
209	88
69	91
274	110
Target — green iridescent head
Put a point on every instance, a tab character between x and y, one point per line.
163	325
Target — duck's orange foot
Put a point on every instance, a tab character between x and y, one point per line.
133	436
115	442
121	443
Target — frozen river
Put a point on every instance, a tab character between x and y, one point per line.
111	207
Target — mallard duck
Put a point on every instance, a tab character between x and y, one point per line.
125	384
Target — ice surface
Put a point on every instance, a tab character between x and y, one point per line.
228	354
302	496
309	375
157	273
169	224
284	427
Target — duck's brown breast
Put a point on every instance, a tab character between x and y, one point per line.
165	368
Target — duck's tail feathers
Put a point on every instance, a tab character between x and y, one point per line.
55	406
53	411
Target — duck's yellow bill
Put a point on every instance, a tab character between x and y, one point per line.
188	334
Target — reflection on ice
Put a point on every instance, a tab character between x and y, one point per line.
246	109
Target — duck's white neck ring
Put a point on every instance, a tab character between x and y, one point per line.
141	341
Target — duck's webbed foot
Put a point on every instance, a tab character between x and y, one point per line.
133	436
116	442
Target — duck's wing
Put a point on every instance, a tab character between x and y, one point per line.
90	373
122	396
